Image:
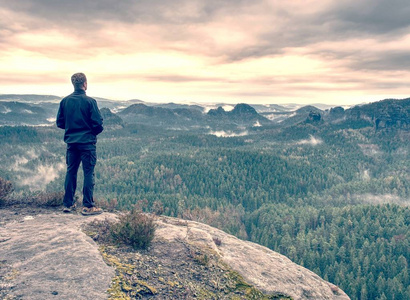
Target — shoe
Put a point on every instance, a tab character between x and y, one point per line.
88	211
69	209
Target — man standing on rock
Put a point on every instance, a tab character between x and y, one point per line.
80	117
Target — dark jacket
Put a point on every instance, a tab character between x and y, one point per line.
80	117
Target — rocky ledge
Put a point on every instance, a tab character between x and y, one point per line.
45	254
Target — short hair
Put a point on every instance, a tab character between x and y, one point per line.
78	79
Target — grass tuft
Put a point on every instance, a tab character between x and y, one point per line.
135	229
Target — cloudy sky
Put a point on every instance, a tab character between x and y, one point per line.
253	51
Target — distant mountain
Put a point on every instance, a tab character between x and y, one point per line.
111	119
300	115
30	109
50	102
43	108
388	114
242	110
242	114
269	108
176	106
16	113
384	114
336	113
29	98
323	106
115	105
307	109
188	116
141	113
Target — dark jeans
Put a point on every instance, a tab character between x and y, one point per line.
87	154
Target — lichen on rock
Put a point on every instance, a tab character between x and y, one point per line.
176	269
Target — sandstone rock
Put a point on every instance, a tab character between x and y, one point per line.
267	270
49	257
52	259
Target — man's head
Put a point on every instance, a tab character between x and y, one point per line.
79	81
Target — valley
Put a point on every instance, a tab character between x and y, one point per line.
327	187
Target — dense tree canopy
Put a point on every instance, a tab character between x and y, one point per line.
332	198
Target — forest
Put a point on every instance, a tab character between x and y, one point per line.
333	197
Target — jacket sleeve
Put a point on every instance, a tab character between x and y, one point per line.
96	118
60	121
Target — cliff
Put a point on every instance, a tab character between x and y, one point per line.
45	254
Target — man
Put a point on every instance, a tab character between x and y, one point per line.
80	117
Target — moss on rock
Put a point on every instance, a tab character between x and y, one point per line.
173	270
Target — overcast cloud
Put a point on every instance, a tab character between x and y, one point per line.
190	50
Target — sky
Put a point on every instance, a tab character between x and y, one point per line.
233	51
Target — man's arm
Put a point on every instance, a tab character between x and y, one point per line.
96	119
60	121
